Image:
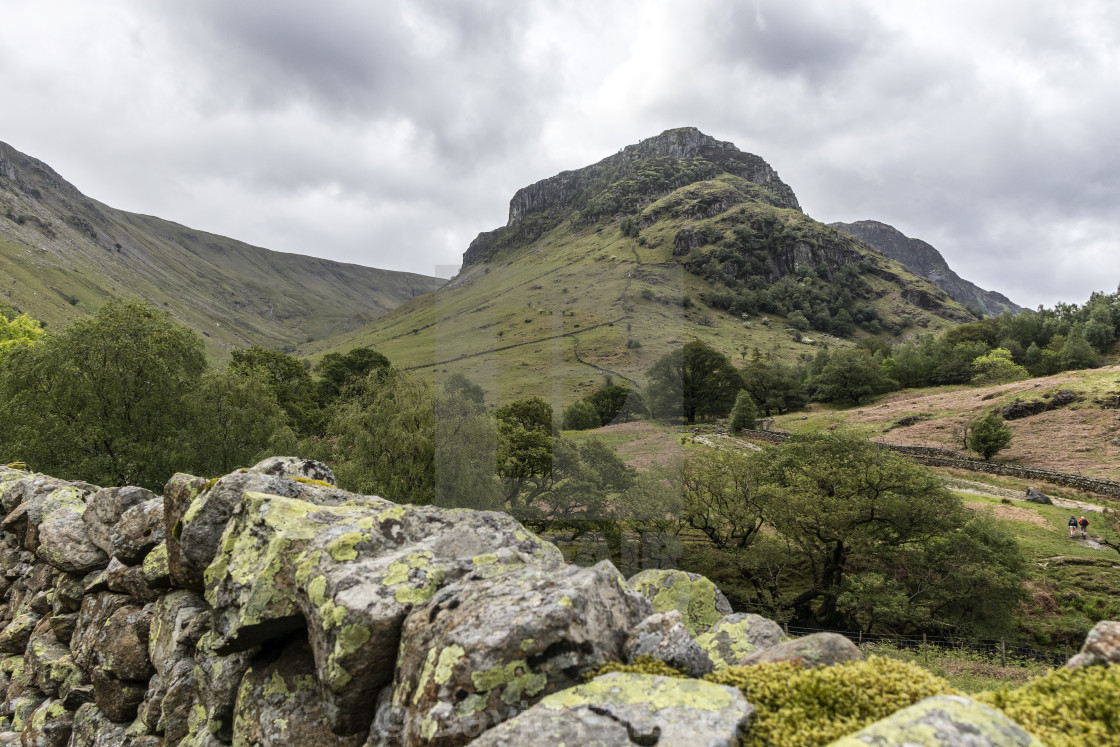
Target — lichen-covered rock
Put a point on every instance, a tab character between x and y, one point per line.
503	638
139	530
104	509
352	572
179	620
16	634
1102	646
49	726
180	702
280	704
218	678
122	645
180	492
94	614
699	601
943	721
296	468
156	569
64	540
129	579
736	636
118	699
198	533
622	710
92	728
662	636
816	650
49	664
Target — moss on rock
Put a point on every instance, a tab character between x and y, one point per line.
812	707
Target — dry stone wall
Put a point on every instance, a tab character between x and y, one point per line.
269	607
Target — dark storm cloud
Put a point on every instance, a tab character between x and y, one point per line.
390	133
449	70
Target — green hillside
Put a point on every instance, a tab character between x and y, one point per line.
603	270
63	254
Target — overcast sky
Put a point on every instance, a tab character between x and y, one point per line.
390	133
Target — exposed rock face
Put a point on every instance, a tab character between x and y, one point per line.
922	259
536	208
1034	495
943	721
621	710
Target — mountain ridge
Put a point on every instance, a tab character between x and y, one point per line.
925	260
62	254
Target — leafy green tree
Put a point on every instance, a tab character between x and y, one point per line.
382	440
289	381
774	386
233	420
458	383
531	413
102	400
18	332
851	375
988	435
997	367
337	372
695	380
861	520
1077	353
743	412
580	416
612	402
466	446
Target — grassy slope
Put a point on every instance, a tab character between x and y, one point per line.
1081	438
513	324
233	293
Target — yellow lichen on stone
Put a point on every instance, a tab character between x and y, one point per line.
515	678
654	692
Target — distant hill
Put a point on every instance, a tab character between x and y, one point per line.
62	254
926	261
602	270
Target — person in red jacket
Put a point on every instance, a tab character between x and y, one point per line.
1084	526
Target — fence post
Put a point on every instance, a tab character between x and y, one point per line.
786	626
925	649
1002	652
861	638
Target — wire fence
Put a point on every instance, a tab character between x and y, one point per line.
994	648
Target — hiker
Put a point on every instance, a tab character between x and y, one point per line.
1084	525
1072	526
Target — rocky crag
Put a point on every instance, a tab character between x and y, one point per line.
923	259
268	607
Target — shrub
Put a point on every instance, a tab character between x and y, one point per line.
1066	707
808	707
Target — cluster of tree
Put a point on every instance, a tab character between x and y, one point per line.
609	403
830	531
125	397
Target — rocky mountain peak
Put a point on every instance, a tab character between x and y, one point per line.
570	187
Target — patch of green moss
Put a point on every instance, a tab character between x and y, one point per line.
640	665
812	707
1066	707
